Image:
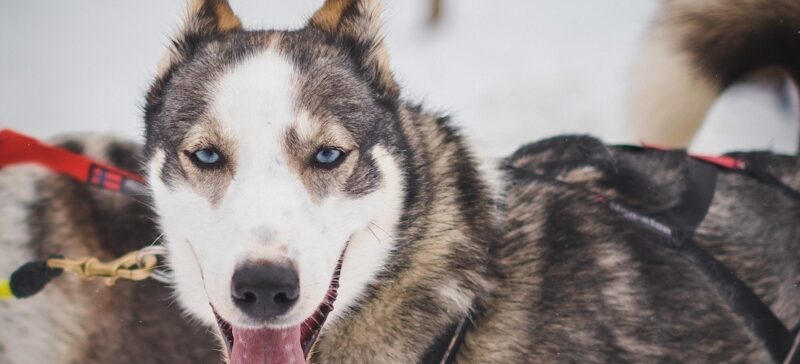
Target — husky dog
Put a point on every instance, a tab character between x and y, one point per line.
310	210
75	321
697	48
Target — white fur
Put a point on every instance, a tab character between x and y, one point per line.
188	281
266	213
767	100
48	327
669	97
371	245
17	191
458	298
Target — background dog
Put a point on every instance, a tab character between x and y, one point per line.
696	49
76	321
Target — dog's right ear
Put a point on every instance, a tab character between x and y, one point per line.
204	18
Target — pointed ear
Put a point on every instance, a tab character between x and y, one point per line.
358	22
204	18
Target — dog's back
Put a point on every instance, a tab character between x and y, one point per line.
583	283
695	49
75	321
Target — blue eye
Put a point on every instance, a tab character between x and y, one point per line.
328	157
207	157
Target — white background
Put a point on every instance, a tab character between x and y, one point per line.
510	71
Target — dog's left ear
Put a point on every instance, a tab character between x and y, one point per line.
204	18
357	22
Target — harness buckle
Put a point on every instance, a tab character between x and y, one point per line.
133	266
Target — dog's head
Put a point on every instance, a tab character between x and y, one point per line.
272	158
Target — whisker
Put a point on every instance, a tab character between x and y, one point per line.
382	229
376	236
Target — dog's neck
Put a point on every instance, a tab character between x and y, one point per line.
442	266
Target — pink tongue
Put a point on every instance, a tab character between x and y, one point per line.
261	346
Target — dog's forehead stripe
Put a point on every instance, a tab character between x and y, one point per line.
255	101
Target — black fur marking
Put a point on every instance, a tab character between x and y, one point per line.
72	146
123	155
366	178
729	52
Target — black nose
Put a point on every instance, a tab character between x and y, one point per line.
265	291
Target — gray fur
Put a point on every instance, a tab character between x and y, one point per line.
550	275
75	321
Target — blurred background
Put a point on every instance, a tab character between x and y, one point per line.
509	71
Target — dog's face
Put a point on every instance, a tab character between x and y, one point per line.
270	156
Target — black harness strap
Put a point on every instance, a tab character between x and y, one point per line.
767	178
447	345
677	225
756	314
682	221
686	216
794	354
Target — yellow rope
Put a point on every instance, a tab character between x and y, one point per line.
5	290
136	266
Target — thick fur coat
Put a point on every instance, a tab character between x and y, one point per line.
76	321
239	128
694	50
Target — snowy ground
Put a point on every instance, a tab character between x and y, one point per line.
510	71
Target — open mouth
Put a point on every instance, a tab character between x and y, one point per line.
279	345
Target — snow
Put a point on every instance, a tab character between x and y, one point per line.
510	72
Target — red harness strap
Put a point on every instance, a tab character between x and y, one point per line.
723	161
16	148
736	164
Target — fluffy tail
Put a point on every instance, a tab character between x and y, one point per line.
696	48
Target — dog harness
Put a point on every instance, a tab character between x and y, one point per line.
16	148
33	276
676	226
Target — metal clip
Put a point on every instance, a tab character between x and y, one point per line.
132	266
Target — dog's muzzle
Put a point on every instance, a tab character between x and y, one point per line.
264	293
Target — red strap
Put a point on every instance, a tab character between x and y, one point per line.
16	148
723	161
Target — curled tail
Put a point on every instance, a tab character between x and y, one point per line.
695	49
